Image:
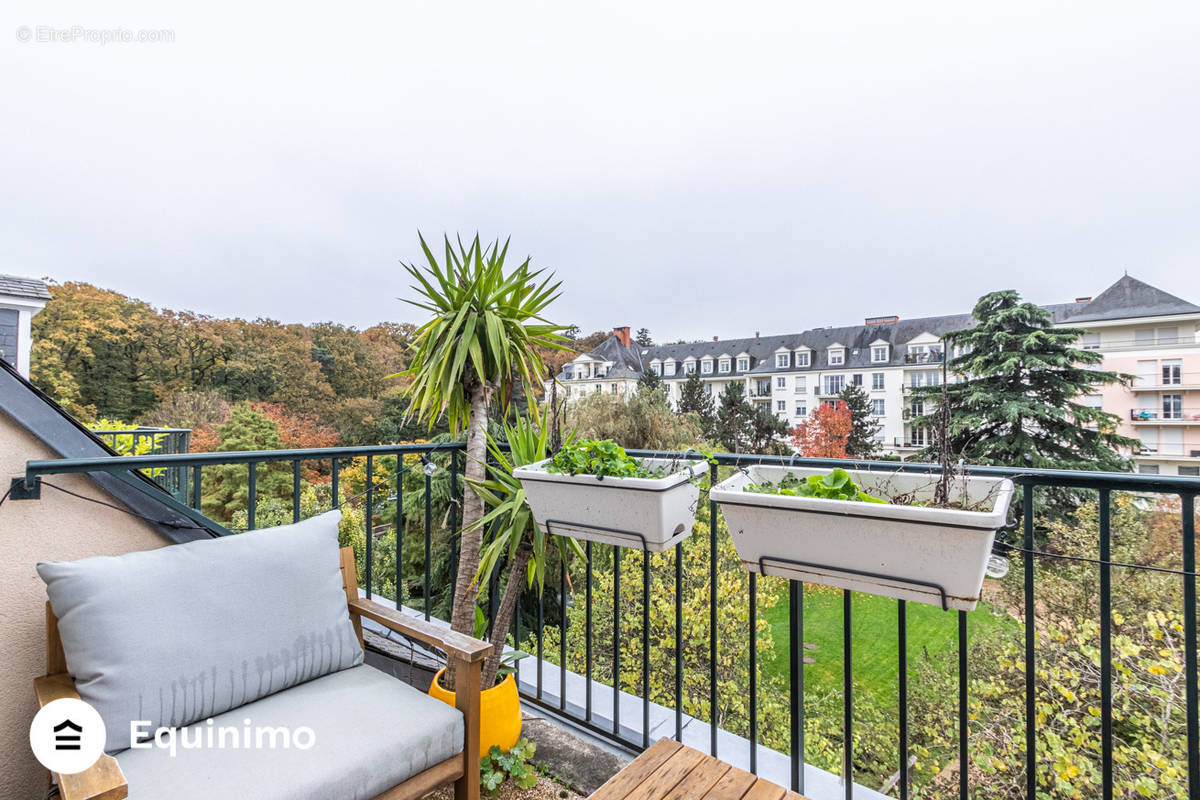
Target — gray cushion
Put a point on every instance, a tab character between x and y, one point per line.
371	732
178	634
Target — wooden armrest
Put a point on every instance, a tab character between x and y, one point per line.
102	780
455	644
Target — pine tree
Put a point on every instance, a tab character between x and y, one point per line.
1018	400
643	338
693	399
650	382
734	413
861	442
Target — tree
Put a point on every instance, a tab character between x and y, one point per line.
643	338
766	431
229	488
861	442
643	421
733	417
1018	400
693	399
826	433
484	336
651	381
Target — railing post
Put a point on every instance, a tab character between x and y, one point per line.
1030	644
1188	511
1106	729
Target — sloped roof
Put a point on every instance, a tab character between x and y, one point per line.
16	286
50	423
1128	298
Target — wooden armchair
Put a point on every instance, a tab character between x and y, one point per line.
104	780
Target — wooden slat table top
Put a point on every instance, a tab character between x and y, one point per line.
672	771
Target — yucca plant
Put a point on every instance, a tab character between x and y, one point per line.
484	336
516	536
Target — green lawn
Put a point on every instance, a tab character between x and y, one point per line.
875	649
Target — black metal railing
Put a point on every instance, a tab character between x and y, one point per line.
152	441
1042	494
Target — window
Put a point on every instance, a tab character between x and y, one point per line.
1148	469
801	384
1172	406
801	408
925	378
917	408
876	381
919	437
877	408
781	405
1090	341
723	365
706	366
780	382
1172	373
834	384
599	387
656	369
1143	336
614	388
1192	471
669	368
1168	335
1092	401
689	367
802	358
783	360
856	379
837	356
1172	442
879	354
743	364
1147	371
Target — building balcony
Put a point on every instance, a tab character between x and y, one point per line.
923	358
1156	416
726	688
1166	387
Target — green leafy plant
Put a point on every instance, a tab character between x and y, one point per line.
497	767
509	658
602	458
837	485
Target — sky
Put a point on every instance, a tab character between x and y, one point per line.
696	169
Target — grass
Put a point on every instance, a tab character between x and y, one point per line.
875	652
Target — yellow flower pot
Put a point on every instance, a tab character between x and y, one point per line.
500	712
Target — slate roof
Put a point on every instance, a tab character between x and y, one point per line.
15	286
1128	298
48	422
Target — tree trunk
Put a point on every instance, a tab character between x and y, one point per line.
504	614
462	616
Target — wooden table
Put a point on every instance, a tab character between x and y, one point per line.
672	771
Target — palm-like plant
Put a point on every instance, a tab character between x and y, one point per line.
516	535
484	336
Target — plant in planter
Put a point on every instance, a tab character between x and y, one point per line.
594	490
485	335
883	533
523	545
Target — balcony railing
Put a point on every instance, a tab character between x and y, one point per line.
741	720
923	358
152	441
1162	415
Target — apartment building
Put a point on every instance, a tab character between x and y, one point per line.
1140	330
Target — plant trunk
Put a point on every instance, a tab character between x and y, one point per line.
504	614
462	616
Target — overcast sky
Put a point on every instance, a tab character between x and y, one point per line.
696	169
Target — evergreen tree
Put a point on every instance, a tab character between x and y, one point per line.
643	338
693	399
650	382
767	431
861	442
1018	402
741	427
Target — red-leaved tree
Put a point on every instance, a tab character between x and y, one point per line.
825	433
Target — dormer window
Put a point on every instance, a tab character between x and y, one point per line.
723	366
689	367
879	353
802	358
837	356
706	366
669	367
743	364
656	367
783	360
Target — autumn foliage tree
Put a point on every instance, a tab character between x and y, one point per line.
826	432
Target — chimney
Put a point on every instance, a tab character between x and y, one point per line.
716	339
756	334
1083	299
622	334
881	320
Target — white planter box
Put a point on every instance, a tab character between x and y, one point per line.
661	510
918	548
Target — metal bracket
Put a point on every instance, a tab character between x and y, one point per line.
25	489
877	575
612	531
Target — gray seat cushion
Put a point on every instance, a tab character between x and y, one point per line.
371	732
174	635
